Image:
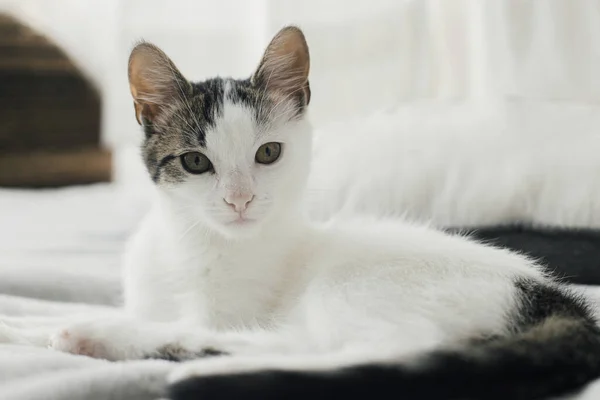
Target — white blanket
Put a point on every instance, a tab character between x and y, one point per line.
60	249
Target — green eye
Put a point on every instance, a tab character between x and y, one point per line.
268	153
195	163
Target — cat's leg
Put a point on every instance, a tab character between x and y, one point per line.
126	339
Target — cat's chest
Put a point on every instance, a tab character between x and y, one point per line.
235	290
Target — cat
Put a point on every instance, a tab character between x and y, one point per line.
227	271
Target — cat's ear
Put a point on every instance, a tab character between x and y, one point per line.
154	81
285	65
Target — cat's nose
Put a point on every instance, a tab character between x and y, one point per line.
238	201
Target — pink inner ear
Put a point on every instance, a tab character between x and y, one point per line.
286	63
154	81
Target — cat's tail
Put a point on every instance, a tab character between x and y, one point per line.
554	350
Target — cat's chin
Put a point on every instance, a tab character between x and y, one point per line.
240	228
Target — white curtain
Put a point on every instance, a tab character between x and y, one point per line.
366	55
369	54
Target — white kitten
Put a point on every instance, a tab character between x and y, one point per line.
226	264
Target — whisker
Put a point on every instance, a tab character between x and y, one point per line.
188	230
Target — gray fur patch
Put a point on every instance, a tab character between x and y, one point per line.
175	352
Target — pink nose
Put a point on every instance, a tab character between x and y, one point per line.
238	201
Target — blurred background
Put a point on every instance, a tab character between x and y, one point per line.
366	56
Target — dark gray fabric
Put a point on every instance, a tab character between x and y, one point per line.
572	254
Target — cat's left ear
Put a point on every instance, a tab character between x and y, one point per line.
155	82
285	65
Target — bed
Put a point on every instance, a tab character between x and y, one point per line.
60	248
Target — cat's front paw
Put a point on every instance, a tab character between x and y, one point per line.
112	340
75	340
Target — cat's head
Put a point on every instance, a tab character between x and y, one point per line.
231	154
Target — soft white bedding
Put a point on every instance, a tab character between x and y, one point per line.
60	249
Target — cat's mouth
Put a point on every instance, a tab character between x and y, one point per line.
242	221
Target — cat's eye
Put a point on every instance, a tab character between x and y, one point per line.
268	153
195	163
